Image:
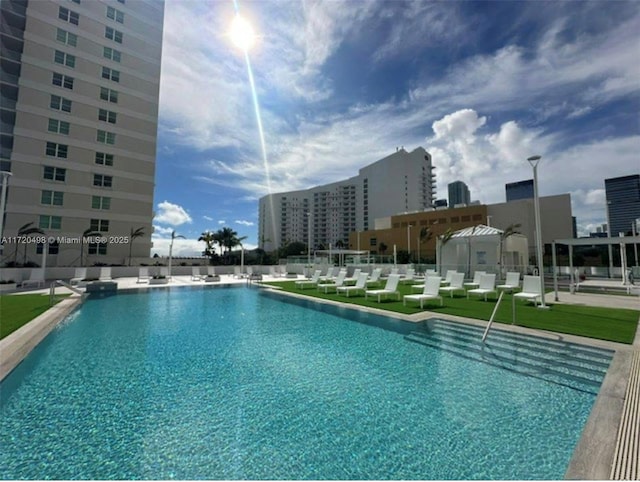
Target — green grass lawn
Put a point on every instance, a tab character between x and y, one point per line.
17	310
610	324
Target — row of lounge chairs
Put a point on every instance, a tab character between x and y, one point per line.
483	284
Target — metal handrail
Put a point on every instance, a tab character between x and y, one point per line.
495	310
52	289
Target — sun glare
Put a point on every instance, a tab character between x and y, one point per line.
242	34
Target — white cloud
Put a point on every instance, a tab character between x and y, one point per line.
181	247
171	214
222	221
244	223
208	218
159	231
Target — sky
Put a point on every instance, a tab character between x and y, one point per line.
482	86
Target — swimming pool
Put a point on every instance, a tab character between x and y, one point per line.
236	384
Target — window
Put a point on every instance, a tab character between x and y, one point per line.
112	54
102	181
477	217
68	16
76	1
62	81
110	74
113	34
67	38
57	150
466	219
54	174
121	1
107	116
52	198
53	248
50	222
114	14
104	159
455	219
106	137
60	57
109	94
101	225
60	103
58	127
373	241
100	202
97	248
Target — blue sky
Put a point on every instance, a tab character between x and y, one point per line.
341	84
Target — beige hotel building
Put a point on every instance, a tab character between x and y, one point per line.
80	86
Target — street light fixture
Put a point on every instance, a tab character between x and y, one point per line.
534	160
309	240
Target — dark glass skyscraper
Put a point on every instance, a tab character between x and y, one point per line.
623	202
458	194
519	190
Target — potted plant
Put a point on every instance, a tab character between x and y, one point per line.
210	278
158	279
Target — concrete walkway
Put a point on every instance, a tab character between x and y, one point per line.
595	299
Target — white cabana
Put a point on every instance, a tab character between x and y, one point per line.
482	248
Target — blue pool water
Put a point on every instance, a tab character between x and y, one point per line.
236	384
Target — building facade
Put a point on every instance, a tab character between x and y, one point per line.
459	194
326	215
80	88
519	190
623	203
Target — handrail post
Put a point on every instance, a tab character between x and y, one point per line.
495	310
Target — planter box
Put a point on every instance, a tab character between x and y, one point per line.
8	287
158	281
102	287
291	276
211	279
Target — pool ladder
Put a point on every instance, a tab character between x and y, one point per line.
59	282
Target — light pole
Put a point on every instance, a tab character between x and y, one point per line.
534	160
309	241
409	241
5	175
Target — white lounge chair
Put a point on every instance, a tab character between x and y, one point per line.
36	277
487	285
430	292
409	277
195	274
274	271
447	277
354	278
374	279
332	273
417	288
457	279
211	275
511	283
238	272
326	287
303	283
143	275
164	271
390	288
361	285
79	275
105	274
476	280
530	289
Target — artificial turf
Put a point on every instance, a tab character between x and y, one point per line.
17	310
612	324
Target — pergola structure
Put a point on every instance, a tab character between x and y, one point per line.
341	253
622	241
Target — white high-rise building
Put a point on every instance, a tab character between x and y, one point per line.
401	182
80	87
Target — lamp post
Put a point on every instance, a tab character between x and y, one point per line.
409	241
5	175
534	160
309	241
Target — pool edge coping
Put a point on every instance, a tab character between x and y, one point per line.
16	346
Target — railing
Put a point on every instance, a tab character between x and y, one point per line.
495	310
52	289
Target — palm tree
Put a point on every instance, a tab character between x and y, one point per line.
444	239
228	239
133	235
88	233
425	235
382	248
209	240
174	236
26	230
509	231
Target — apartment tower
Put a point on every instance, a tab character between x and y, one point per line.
325	215
459	194
623	203
80	86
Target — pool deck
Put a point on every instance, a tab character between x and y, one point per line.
598	447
